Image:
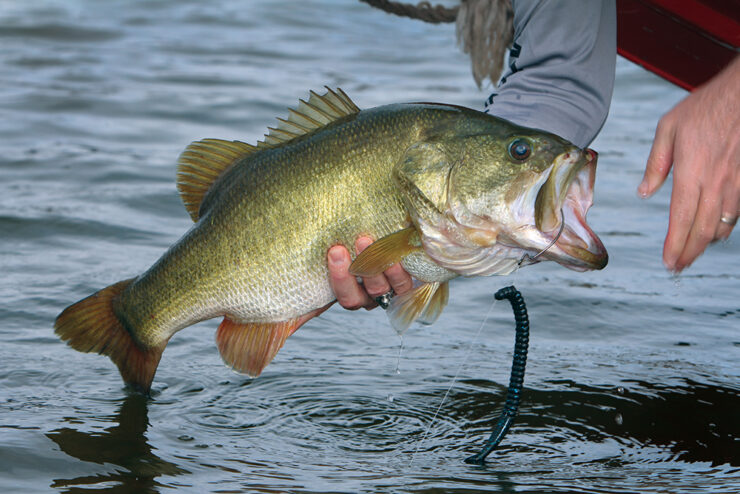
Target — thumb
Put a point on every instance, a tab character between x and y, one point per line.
660	160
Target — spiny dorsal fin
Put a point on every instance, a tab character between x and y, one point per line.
319	111
204	161
201	164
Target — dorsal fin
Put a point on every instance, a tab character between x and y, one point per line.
319	111
201	164
204	161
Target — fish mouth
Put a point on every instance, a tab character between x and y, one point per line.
560	212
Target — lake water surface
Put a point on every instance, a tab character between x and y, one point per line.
633	375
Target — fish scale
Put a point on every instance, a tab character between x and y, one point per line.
431	182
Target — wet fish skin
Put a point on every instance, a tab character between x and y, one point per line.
437	181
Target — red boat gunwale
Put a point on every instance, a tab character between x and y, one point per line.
685	41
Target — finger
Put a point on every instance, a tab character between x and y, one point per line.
703	229
724	229
684	204
348	291
660	159
374	285
399	279
730	208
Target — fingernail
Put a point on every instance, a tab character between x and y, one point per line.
642	190
362	244
670	265
678	268
336	256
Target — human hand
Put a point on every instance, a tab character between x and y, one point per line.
353	295
700	138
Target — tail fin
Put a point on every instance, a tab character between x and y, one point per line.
91	325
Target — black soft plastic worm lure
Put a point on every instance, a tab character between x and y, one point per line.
516	382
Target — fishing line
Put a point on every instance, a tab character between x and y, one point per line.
454	380
520	359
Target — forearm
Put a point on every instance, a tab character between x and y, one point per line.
561	69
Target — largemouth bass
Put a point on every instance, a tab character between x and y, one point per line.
445	190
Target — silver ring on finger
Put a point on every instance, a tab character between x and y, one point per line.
728	219
385	300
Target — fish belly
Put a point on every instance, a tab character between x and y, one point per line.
259	253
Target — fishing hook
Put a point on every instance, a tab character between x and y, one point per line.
527	257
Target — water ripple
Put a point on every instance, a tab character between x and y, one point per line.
632	378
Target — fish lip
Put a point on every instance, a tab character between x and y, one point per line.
577	246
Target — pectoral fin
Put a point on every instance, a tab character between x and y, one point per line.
249	347
424	303
386	252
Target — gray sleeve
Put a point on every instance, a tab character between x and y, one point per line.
561	68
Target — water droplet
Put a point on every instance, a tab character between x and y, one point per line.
390	398
618	419
398	360
620	390
676	280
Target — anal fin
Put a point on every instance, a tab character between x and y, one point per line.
424	303
249	346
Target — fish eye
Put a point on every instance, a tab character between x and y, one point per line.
520	149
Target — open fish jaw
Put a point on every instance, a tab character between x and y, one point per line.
576	245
